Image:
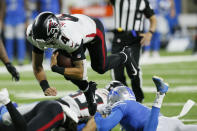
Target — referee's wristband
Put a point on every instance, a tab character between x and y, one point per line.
151	32
44	85
58	69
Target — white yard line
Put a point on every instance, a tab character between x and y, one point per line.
160	60
60	82
189	120
174	89
168	104
168	59
38	94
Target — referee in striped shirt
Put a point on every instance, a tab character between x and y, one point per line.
129	20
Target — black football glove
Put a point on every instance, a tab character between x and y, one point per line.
13	71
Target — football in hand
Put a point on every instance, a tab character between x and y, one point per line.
64	61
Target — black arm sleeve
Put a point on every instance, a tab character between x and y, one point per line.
37	50
17	119
148	11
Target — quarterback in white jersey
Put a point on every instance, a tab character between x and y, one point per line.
73	34
74	30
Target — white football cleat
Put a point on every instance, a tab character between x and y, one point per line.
4	96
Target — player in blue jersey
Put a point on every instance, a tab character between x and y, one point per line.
134	116
14	23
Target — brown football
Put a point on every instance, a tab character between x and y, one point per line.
64	61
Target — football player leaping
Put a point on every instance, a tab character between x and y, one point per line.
74	34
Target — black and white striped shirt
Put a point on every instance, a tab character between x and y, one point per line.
129	14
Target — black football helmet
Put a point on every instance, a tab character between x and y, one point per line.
113	84
46	27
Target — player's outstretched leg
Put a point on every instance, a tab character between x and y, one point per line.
160	85
162	89
129	61
90	97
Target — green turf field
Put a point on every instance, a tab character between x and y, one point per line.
182	76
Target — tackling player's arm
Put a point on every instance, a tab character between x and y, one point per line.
90	126
104	124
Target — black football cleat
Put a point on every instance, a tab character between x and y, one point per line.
129	61
90	98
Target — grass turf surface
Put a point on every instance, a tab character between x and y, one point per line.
176	74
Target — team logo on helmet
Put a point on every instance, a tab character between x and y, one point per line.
52	27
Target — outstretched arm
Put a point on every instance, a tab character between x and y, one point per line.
90	126
40	75
104	124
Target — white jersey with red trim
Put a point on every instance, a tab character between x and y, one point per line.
78	103
75	30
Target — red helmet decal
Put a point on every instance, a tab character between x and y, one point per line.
52	26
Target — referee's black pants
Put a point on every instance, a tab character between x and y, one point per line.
119	41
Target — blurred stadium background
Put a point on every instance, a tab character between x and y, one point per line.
177	62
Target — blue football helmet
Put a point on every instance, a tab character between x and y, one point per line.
120	93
